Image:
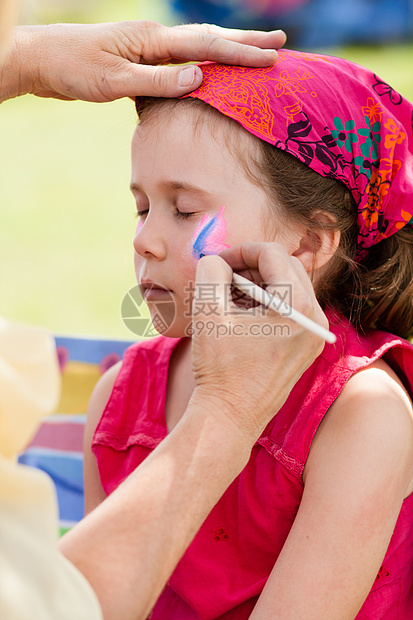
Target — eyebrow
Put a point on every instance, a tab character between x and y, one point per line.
175	186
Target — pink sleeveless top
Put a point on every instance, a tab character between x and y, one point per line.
225	568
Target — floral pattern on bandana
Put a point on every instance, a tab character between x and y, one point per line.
336	117
344	134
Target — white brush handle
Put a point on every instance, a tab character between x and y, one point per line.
275	303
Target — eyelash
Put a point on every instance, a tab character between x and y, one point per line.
179	214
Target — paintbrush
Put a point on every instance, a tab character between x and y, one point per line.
275	303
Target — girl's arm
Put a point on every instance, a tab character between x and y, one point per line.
94	493
359	471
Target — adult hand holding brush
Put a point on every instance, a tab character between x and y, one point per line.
250	361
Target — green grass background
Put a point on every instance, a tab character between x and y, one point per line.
67	217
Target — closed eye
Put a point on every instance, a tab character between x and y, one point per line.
182	214
179	214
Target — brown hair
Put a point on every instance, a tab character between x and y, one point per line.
376	292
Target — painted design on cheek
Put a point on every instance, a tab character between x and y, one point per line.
209	235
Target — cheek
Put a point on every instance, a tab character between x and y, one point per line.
187	262
255	227
183	281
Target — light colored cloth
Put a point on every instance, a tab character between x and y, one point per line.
36	581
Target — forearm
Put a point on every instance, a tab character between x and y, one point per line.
128	547
18	69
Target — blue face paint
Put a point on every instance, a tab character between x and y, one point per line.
209	235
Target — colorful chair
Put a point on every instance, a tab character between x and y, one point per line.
57	448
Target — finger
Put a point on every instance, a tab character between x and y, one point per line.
247	255
275	264
273	39
133	80
260	257
201	43
234	256
276	269
205	47
212	270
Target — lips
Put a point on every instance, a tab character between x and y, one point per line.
151	285
153	291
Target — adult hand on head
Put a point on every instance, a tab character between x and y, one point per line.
251	360
103	62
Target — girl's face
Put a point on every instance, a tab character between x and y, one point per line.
178	176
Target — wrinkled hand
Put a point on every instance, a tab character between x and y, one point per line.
103	62
254	370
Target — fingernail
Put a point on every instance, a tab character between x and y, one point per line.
186	76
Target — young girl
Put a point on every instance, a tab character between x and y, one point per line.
316	154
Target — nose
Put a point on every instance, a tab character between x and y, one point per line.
149	240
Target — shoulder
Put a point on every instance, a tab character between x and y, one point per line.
99	399
139	361
94	492
135	356
371	424
104	386
374	393
375	387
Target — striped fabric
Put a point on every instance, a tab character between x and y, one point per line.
57	447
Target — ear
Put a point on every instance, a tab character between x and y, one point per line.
318	245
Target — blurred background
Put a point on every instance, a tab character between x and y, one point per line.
67	217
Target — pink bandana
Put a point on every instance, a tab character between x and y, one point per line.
336	117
